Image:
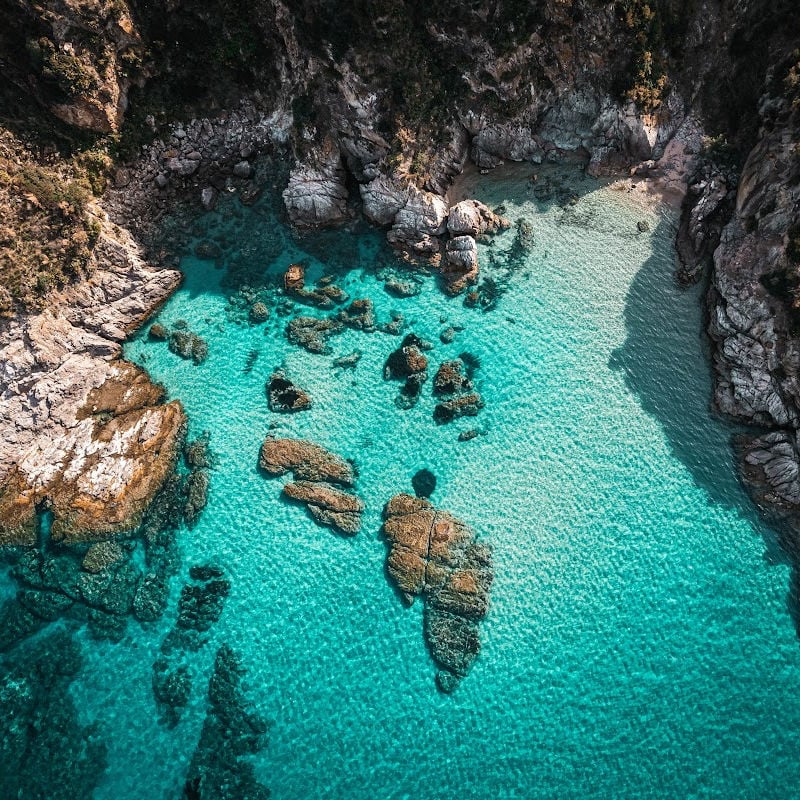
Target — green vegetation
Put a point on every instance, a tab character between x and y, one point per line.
72	76
47	232
648	82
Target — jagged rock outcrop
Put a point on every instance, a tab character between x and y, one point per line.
315	469
417	217
284	397
312	333
316	194
435	556
82	432
409	364
473	218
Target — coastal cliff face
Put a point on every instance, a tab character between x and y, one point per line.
380	105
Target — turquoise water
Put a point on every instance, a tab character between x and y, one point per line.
638	642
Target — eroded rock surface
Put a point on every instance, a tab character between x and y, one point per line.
305	460
81	432
435	556
284	397
328	505
315	469
409	364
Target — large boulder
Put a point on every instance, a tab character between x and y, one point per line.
435	556
316	194
305	460
473	218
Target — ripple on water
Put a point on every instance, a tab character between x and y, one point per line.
638	642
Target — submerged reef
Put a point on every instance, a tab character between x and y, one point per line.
44	750
200	606
231	731
435	556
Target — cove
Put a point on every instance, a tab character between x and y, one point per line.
638	641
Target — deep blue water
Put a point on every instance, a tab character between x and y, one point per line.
638	642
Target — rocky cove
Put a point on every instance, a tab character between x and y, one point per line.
315	218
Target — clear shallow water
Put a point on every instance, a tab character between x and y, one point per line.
638	642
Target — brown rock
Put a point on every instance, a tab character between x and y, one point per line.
306	460
328	505
434	555
294	278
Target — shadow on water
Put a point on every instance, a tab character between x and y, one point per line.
666	364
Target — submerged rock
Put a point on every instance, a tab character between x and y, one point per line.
434	555
424	483
328	505
284	397
348	361
259	312
465	405
312	333
306	460
359	315
231	731
188	346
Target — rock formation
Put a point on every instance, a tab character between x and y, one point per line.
409	364
305	460
434	555
284	397
314	470
81	432
454	383
328	505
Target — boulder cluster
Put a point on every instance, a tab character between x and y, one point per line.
318	475
453	384
435	556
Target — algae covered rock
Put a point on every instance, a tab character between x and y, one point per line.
312	333
435	556
231	731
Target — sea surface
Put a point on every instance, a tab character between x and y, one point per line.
638	643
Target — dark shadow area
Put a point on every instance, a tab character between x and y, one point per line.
666	364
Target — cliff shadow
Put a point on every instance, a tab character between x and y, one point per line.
666	362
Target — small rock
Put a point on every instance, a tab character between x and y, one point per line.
643	226
242	169
208	198
158	332
349	361
284	397
259	312
161	180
